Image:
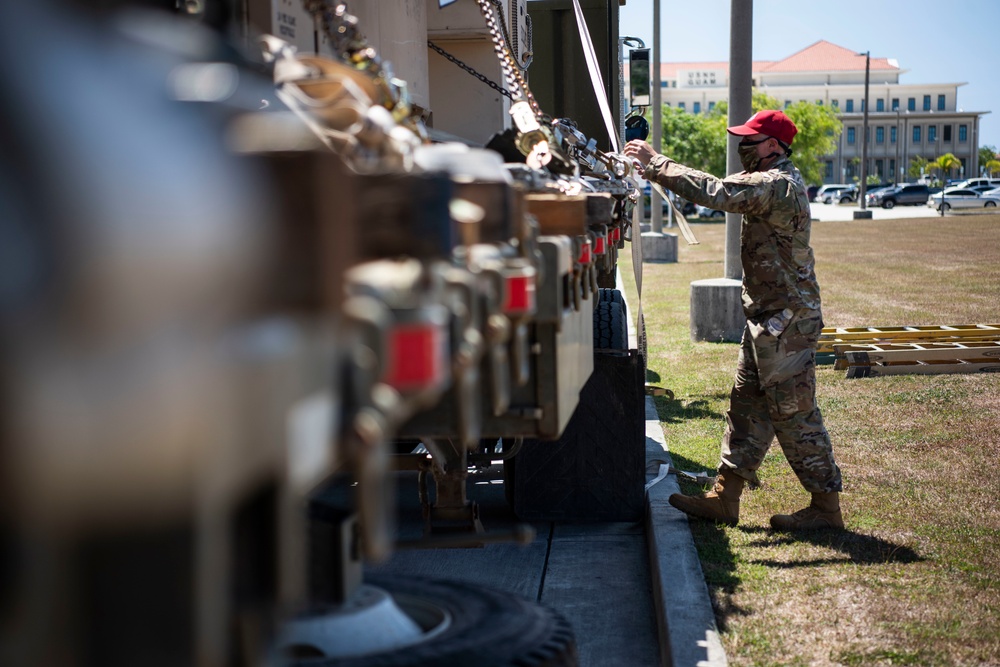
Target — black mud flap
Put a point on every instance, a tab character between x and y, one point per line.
596	470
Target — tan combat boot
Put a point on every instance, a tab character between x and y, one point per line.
823	512
721	504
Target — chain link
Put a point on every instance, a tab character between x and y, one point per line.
492	84
512	73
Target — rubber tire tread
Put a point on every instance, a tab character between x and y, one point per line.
489	628
610	332
605	294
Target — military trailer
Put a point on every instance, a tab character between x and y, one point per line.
386	239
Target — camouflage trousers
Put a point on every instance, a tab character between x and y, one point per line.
774	395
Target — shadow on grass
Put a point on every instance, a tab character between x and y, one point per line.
674	411
719	562
859	548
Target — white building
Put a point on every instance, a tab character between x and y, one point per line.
904	121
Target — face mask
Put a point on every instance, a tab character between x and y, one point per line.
748	156
747	152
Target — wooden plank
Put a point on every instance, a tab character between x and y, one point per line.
558	214
871	354
829	343
905	329
922	369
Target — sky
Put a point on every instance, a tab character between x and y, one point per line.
933	41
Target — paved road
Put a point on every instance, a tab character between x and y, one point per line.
835	212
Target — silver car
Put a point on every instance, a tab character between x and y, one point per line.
961	198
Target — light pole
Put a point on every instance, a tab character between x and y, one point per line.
895	175
863	212
655	205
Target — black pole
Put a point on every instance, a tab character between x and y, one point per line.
864	139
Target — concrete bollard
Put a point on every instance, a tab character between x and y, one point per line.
717	310
659	247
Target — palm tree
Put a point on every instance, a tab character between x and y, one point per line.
945	164
992	167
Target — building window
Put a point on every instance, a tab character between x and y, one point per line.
788	103
931	133
828	175
880	105
880	168
916	134
947	134
892	134
862	105
963	133
835	104
892	169
696	108
682	106
927	102
879	135
911	104
895	104
850	135
940	102
819	103
711	106
850	106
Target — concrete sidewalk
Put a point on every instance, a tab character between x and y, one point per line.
844	212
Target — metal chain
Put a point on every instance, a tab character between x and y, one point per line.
492	84
512	73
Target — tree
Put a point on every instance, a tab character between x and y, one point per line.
918	167
819	130
945	165
692	139
992	167
700	141
987	154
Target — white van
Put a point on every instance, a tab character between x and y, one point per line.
825	190
973	182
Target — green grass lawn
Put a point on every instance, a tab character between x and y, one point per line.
915	577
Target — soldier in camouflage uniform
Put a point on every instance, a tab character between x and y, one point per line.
774	393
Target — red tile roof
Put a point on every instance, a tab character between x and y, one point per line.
826	57
819	57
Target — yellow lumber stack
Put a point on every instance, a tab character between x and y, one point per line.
901	350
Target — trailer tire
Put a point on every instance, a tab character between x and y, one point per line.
605	295
610	331
484	627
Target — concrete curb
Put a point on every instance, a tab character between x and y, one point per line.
684	616
685	621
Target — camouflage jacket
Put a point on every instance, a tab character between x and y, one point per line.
778	264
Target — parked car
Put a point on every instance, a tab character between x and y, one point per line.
706	212
848	195
914	194
973	182
995	192
961	198
824	190
982	188
686	207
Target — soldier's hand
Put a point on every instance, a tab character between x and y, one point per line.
640	150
